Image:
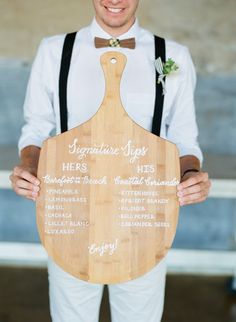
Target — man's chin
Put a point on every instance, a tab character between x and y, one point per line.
114	23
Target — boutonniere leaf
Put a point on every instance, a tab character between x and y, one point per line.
164	70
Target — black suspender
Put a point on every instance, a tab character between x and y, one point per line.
160	51
63	77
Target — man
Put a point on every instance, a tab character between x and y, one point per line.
140	300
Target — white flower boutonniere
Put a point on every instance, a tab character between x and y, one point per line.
164	70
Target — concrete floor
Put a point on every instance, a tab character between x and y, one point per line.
24	298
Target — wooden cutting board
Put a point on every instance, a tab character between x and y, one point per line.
108	210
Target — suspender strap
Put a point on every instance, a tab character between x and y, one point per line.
160	51
63	77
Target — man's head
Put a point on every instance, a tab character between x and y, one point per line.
115	16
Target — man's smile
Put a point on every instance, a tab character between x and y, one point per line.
114	10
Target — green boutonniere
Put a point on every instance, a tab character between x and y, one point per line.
164	70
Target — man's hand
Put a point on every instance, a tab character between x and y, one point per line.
24	183
195	185
23	178
194	188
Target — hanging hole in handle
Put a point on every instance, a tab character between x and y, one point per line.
113	60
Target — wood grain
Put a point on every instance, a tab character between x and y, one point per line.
126	223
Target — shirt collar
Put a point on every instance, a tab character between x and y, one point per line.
97	31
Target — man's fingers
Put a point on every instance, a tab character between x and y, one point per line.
197	188
194	197
26	193
31	198
194	189
24	183
199	177
193	201
194	194
20	183
19	172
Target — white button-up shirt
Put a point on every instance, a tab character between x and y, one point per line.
86	87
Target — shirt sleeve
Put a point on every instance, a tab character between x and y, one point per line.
182	127
38	106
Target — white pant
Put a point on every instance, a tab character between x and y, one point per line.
74	300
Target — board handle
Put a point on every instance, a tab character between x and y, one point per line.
113	64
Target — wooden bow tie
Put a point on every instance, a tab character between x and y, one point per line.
113	42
